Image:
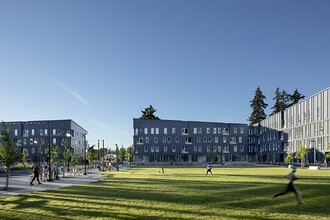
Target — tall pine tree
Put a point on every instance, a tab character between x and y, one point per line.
258	107
149	113
295	97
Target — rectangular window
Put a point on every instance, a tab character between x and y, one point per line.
240	139
200	148
200	130
152	149
214	148
31	141
156	140
16	132
176	139
195	130
184	130
173	130
224	139
54	131
54	140
232	140
219	130
157	148
145	130
205	139
41	132
164	140
208	148
207	130
168	139
198	139
136	131
24	141
209	139
242	130
216	139
235	130
32	132
165	149
140	140
147	140
226	149
145	149
225	131
152	131
195	148
235	148
173	149
25	133
219	148
188	140
165	130
157	130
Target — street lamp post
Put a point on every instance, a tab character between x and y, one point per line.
49	153
85	172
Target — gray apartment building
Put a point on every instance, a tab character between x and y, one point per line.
38	136
306	123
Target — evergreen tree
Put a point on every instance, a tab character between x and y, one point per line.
122	153
117	152
281	100
258	107
8	151
149	113
295	97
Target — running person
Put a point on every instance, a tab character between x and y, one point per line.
290	187
209	169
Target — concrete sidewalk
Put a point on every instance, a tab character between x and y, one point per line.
21	184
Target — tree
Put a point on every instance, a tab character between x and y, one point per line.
281	100
67	152
295	97
53	154
211	156
288	159
122	154
149	113
117	152
258	107
25	156
301	154
8	151
74	159
129	154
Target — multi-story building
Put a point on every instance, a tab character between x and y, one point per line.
306	123
38	136
189	141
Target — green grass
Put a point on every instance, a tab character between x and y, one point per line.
180	193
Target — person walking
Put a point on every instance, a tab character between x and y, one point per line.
290	187
35	169
209	169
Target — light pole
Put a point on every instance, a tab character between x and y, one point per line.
85	172
49	153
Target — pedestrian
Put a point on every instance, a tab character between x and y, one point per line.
35	169
45	170
209	169
290	187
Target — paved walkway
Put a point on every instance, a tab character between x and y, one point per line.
21	184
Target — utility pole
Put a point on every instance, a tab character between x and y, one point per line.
98	152
103	154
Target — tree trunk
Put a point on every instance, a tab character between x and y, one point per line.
7	178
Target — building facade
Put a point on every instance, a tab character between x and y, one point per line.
306	123
38	136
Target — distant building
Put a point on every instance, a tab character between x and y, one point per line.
306	123
37	136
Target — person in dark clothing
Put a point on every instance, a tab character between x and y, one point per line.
209	169
290	187
35	169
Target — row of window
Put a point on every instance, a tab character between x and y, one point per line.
42	132
185	131
32	141
185	149
189	140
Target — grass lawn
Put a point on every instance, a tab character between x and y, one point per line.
180	193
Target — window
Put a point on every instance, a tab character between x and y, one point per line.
198	139
224	139
208	148
240	139
152	131
235	130
152	149
165	148
164	140
147	140
214	148
173	149
176	139
168	139
184	130
219	130
33	150
209	139
233	140
207	130
145	130
32	132
136	131
219	148
16	132
200	148
188	140
157	148
195	130
145	149
140	140
225	131
165	130
241	130
25	133
31	141
216	139
155	139
54	131
205	139
173	130
235	148
41	132
54	140
195	148
200	130
214	130
226	149
157	130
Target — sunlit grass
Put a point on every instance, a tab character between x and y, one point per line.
179	193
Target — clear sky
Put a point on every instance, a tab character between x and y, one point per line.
101	62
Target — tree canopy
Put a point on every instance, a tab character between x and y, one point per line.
258	107
149	113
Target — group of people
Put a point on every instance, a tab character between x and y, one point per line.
42	172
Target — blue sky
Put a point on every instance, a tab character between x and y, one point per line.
100	63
